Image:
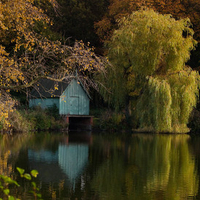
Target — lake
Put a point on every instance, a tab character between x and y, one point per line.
104	166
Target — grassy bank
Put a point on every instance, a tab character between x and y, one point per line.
36	119
109	120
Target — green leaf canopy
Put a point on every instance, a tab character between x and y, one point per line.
148	53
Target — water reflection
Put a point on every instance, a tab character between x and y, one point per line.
72	160
158	167
106	167
9	150
67	162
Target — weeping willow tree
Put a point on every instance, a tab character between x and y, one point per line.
148	53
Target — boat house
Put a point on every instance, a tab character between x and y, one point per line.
71	98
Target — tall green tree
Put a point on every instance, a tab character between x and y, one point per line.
148	53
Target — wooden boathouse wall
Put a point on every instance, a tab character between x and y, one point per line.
74	100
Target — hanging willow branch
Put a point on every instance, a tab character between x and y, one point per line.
148	53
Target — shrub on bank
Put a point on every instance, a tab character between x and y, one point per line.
194	123
35	119
19	122
110	120
49	119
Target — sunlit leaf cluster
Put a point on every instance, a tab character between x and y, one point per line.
6	106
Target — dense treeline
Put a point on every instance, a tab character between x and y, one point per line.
95	21
48	25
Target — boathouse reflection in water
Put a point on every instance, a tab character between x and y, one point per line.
67	162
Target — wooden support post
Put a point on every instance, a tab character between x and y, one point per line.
91	121
67	119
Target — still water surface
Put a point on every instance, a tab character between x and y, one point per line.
105	167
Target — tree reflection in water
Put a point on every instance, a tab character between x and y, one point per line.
156	167
104	166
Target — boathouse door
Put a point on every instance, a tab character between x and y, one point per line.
74	105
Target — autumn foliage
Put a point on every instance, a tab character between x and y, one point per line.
121	8
27	54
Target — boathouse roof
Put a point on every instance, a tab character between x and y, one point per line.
51	89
